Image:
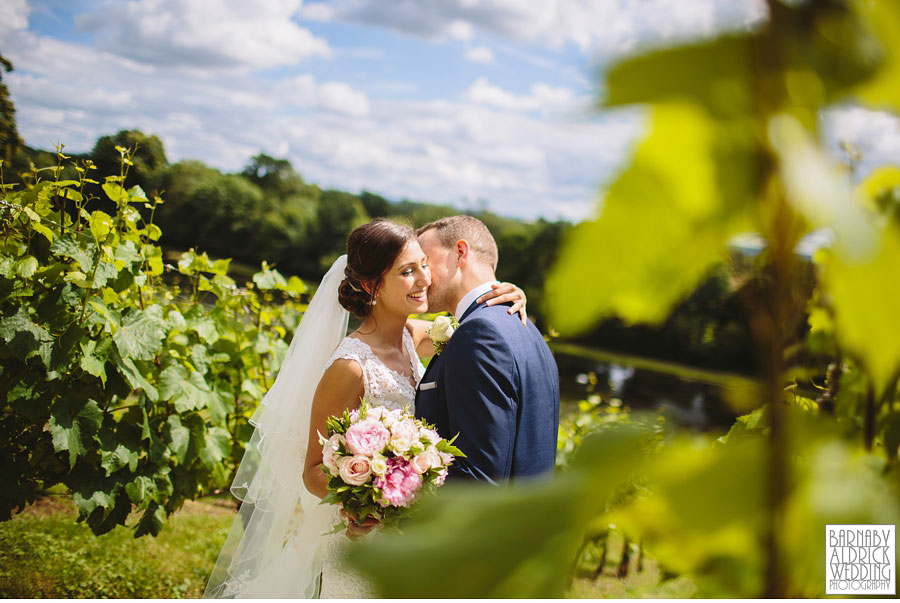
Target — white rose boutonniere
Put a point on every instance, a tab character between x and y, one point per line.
440	331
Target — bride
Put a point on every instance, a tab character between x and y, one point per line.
277	547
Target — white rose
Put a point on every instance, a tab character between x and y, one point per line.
329	451
441	329
404	434
390	417
430	436
378	465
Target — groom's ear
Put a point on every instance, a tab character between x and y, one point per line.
462	251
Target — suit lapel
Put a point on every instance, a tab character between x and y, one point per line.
432	366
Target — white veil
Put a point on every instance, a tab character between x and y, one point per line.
274	547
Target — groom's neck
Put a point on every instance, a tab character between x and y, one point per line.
472	276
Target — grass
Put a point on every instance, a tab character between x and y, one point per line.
44	553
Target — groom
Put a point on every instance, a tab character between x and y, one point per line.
495	383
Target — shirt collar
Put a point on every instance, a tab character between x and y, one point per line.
471	296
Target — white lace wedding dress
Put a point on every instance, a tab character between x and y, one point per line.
383	387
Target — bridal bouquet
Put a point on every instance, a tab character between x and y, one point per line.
379	461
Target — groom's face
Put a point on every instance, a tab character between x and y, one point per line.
442	262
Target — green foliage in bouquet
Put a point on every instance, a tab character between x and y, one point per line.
130	385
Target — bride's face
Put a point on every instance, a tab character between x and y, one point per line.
404	287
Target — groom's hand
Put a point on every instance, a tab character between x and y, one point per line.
507	292
357	529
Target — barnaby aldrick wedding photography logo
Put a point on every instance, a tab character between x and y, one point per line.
860	560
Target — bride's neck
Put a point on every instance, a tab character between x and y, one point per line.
384	327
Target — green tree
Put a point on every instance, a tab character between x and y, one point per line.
338	213
10	141
149	159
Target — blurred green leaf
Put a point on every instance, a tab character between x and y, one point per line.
519	543
714	74
662	226
865	298
883	16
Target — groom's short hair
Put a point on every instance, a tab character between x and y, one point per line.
456	228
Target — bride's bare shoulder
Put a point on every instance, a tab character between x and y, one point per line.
344	376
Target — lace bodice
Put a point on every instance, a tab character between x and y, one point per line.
383	385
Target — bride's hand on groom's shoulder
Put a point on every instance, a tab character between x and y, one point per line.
357	529
507	292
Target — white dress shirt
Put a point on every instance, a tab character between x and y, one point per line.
471	296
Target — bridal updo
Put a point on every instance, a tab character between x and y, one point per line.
371	250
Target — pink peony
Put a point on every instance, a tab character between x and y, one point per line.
399	484
425	461
330	451
367	437
354	470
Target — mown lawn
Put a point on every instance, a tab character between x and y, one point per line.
45	554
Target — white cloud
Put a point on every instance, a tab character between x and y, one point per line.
480	54
341	98
601	29
542	97
204	33
13	17
527	154
461	30
304	91
318	11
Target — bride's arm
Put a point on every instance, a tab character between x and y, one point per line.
340	388
507	292
419	331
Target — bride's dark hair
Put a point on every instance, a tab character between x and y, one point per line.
371	249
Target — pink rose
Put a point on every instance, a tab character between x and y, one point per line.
399	484
367	437
329	452
425	461
354	470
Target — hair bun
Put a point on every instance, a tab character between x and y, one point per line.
354	298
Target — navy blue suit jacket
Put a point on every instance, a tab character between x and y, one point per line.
496	384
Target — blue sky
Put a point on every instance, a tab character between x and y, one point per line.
464	102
